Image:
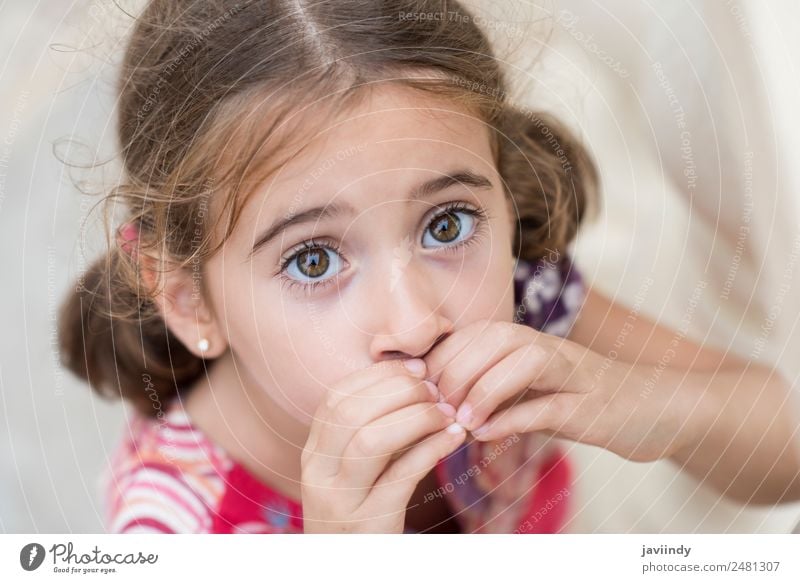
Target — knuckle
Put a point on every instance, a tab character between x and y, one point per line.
346	413
562	363
539	350
364	445
305	457
327	406
335	396
545	356
506	330
318	416
560	355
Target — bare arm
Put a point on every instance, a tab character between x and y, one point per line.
740	433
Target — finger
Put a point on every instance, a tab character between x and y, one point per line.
375	373
360	380
372	394
463	357
436	360
335	428
368	394
372	447
549	413
396	485
530	367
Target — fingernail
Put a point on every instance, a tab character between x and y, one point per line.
415	366
447	409
454	428
464	414
433	389
481	430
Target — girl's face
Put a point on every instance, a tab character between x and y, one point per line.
389	231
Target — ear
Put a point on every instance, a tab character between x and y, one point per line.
183	307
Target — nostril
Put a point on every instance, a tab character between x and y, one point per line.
400	355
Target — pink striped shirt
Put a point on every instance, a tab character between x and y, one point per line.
167	476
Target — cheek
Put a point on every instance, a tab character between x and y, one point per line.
291	348
487	293
313	353
295	349
481	287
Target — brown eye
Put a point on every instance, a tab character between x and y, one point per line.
445	228
313	262
313	266
454	226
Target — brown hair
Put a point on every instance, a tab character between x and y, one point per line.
200	76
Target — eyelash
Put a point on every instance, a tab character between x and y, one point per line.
480	214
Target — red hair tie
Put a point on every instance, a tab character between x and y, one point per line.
128	238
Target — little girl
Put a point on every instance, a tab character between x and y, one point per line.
342	298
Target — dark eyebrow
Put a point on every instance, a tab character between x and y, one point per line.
334	209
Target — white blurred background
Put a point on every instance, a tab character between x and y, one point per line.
688	107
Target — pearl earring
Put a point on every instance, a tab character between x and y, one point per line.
203	345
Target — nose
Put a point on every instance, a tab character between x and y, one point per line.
410	318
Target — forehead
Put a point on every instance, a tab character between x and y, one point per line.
391	133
